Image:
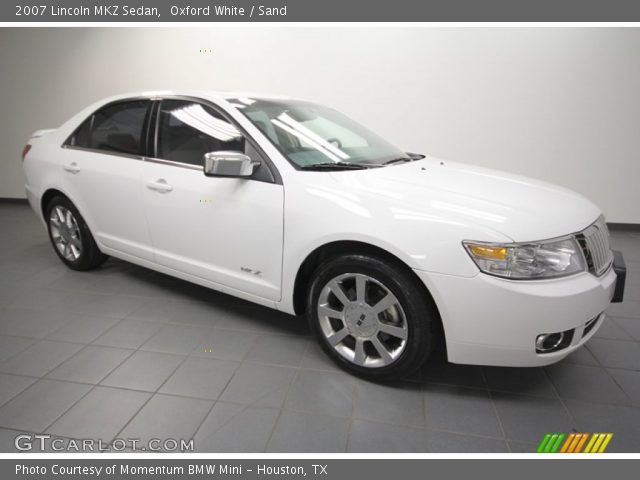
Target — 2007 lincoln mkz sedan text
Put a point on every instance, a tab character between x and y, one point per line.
294	206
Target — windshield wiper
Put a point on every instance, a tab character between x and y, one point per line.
411	157
397	160
335	166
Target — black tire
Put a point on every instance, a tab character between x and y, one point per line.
90	256
420	314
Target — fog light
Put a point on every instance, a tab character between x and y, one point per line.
547	342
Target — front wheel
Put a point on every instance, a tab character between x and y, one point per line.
371	316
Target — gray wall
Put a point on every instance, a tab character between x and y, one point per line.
560	104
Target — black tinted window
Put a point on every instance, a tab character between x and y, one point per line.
188	130
115	128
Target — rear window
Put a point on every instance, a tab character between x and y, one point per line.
114	128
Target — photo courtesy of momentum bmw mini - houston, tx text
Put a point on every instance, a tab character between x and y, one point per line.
319	239
387	252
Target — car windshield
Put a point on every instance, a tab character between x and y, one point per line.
311	135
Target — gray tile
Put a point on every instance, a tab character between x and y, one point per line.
7	440
611	330
321	392
629	325
40	358
101	414
629	381
302	432
623	422
582	356
225	344
581	382
10	346
83	329
253	318
315	358
167	417
528	419
616	353
200	377
525	381
278	350
128	334
22	322
40	404
7	294
452	374
158	310
41	299
627	309
236	428
117	306
523	447
176	339
144	371
196	313
461	410
444	442
398	402
366	436
12	385
90	365
259	385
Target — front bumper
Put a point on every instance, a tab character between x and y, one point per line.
493	321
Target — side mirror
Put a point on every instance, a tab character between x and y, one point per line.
228	164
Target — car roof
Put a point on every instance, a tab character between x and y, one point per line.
205	94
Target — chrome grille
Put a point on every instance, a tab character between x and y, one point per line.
594	241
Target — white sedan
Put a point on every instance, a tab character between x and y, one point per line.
292	205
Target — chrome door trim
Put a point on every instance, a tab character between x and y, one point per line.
172	163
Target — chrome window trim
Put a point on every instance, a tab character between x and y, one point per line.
171	163
132	156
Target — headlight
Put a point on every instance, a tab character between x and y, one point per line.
547	259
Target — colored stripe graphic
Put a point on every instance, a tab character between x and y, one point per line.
581	443
550	443
574	443
606	441
543	443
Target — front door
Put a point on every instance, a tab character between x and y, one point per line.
224	230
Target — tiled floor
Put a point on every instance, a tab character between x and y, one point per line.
124	352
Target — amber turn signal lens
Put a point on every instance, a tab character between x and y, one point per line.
488	251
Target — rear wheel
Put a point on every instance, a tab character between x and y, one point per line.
370	316
70	236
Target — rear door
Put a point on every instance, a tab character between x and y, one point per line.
102	170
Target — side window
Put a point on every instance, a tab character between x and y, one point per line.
115	128
188	130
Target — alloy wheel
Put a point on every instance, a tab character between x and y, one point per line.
65	233
362	320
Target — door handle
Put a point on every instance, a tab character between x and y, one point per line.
72	167
160	186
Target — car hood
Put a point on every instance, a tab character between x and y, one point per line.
520	208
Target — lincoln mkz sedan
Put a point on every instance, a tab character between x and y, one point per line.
292	205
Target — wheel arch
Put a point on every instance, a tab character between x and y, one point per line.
47	196
324	252
52	192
